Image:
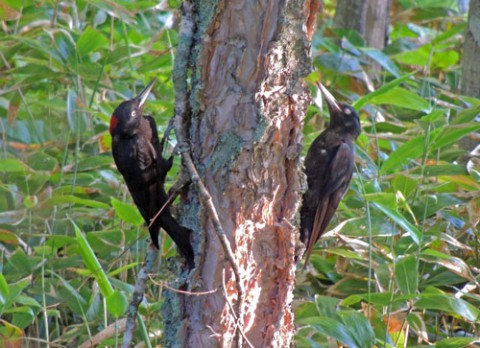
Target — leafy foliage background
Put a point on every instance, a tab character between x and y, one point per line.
399	268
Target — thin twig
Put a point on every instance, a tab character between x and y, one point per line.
191	293
137	295
152	220
106	333
179	74
239	327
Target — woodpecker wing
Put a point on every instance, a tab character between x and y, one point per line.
336	177
159	212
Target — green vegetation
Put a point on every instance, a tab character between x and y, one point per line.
406	256
400	270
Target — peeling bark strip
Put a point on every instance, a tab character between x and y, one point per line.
247	102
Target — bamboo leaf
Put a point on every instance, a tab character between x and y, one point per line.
92	263
127	212
448	303
406	274
401	221
362	101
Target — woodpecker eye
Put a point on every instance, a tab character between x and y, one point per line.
347	111
134	113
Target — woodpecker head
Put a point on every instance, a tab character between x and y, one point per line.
342	116
127	115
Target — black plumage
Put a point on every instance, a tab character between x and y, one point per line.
329	167
137	152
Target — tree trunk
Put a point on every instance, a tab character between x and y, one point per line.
470	80
351	14
470	83
376	23
247	102
370	18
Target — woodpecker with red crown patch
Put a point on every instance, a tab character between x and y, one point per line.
137	152
329	168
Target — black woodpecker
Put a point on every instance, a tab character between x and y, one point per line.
137	152
329	167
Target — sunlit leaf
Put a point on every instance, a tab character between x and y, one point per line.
8	13
452	263
456	342
117	303
127	212
8	237
360	102
448	303
11	165
402	97
90	40
92	263
67	199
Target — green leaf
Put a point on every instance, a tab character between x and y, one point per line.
22	316
444	60
21	262
403	98
117	303
454	264
406	274
90	40
94	163
126	212
401	221
331	328
417	58
382	59
441	170
362	101
4	292
8	13
92	263
467	115
452	134
359	327
456	342
70	296
68	199
15	289
448	303
11	165
407	152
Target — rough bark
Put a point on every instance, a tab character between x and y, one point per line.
470	80
247	102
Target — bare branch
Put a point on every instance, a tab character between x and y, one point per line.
109	331
191	293
137	295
